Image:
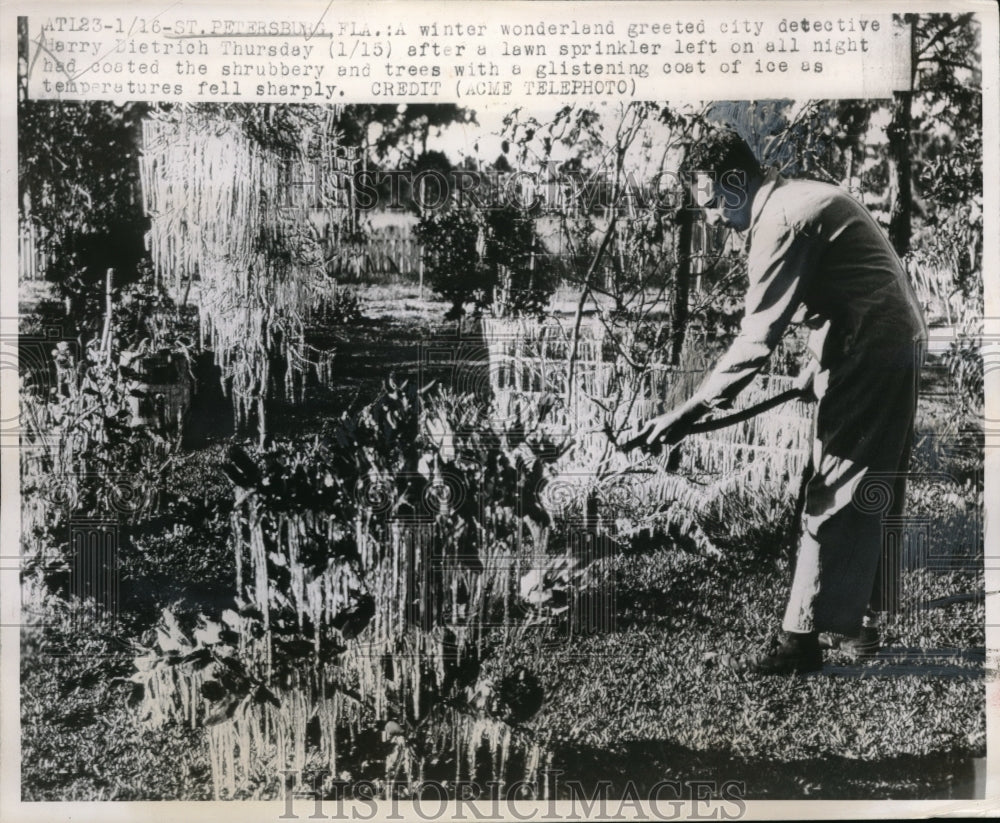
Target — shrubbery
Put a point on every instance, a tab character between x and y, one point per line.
489	258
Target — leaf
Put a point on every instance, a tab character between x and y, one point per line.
532	587
352	622
391	730
227	640
207	633
425	465
262	695
232	619
252	612
221	713
329	651
136	695
199	657
170	636
244	465
234	665
237	478
213	690
295	648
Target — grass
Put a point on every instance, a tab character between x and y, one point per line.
79	740
655	697
665	674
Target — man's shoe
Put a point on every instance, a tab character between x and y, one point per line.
866	643
796	654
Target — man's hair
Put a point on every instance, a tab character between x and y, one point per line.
720	151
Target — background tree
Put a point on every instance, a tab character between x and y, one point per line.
490	257
78	184
945	78
947	143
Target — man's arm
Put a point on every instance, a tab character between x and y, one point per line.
779	258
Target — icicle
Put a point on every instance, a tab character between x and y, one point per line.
228	744
215	759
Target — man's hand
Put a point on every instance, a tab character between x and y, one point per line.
812	381
665	429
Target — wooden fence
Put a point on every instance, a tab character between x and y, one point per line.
33	258
380	257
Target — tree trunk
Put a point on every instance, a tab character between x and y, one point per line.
682	283
900	172
900	167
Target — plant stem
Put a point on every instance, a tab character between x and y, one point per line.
578	319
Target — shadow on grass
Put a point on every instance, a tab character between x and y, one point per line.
638	766
895	662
